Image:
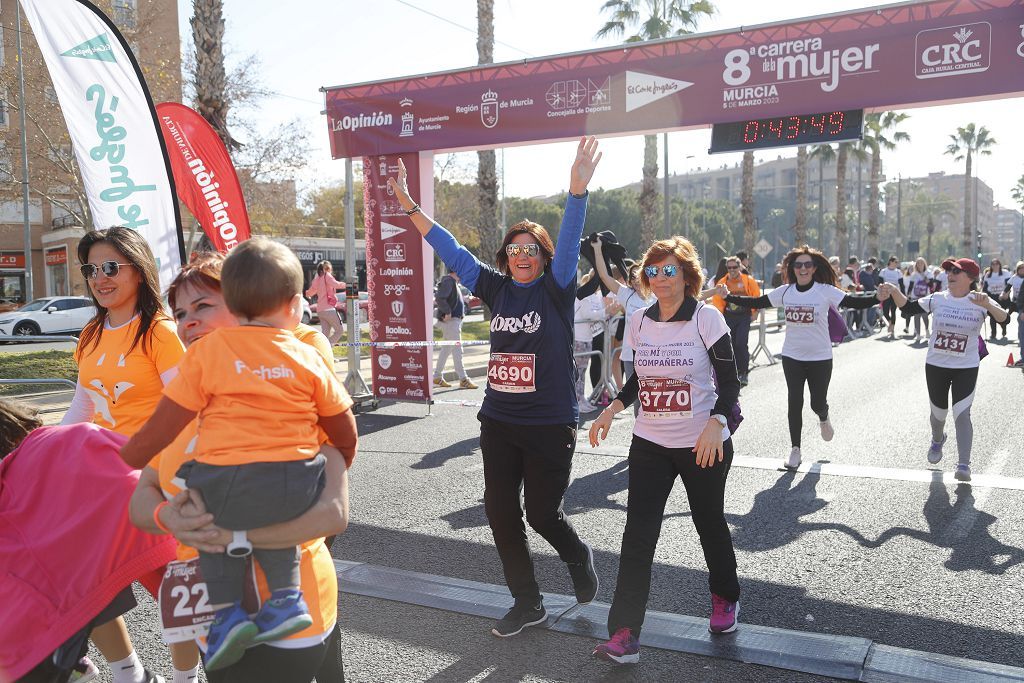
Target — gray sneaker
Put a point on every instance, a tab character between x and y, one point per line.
935	451
963	472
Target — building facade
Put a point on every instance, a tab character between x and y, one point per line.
1009	235
56	206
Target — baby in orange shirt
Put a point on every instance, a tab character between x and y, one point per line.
260	395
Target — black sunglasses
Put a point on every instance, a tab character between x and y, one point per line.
955	271
109	268
802	265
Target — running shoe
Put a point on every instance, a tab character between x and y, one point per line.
935	451
282	615
466	383
793	461
826	430
586	406
622	648
521	615
84	671
1019	363
724	615
440	382
743	380
963	472
584	577
231	632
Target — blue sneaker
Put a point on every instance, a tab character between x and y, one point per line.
283	614
231	632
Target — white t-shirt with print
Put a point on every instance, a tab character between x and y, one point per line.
588	317
942	277
956	324
677	388
917	285
631	302
996	282
807	319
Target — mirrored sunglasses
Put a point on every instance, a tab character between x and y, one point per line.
530	250
668	270
109	268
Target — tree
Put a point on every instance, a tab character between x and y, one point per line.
964	144
209	80
880	134
1018	192
825	154
800	224
747	201
653	20
487	175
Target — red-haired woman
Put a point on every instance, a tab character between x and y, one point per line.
807	350
529	414
679	347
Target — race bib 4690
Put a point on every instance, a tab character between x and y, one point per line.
513	373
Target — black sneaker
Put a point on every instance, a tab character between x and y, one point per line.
584	577
521	615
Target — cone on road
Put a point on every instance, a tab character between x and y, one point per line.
1009	361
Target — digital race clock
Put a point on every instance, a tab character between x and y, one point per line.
787	131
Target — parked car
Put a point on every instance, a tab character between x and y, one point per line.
307	312
472	301
53	315
314	318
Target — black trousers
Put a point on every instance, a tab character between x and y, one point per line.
739	329
533	461
889	310
652	473
816	374
266	664
596	364
992	322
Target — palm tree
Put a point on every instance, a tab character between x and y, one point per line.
964	144
747	202
212	101
1018	192
664	18
486	173
881	134
800	224
825	154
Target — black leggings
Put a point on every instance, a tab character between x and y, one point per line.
889	310
596	364
266	664
817	374
992	322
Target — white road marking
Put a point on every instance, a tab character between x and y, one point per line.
990	479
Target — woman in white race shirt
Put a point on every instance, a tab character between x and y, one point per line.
679	346
993	283
953	354
918	286
631	301
807	349
891	274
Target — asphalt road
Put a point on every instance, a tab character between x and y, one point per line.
915	564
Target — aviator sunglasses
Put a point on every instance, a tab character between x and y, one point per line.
668	270
109	268
530	250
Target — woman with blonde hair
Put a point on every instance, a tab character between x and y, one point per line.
808	295
681	346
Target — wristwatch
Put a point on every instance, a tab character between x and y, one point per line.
239	545
721	419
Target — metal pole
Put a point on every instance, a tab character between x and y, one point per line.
860	210
667	229
899	217
354	381
29	289
503	223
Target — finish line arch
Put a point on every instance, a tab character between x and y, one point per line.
906	55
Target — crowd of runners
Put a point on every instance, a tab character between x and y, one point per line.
223	434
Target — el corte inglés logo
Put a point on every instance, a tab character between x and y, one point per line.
94	48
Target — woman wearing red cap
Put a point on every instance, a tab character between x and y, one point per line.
953	353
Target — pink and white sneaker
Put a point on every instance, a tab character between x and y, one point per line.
622	648
724	615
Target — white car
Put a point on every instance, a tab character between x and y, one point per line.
53	315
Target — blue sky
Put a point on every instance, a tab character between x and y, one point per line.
312	43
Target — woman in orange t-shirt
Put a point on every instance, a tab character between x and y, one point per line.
198	306
125	355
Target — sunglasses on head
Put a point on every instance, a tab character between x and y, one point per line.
668	270
109	268
530	250
802	265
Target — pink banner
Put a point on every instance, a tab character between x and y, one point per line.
399	281
882	58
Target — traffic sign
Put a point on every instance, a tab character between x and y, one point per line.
762	248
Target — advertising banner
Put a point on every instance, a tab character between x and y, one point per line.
399	281
903	55
112	122
204	176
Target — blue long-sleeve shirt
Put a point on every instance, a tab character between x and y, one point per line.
531	321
